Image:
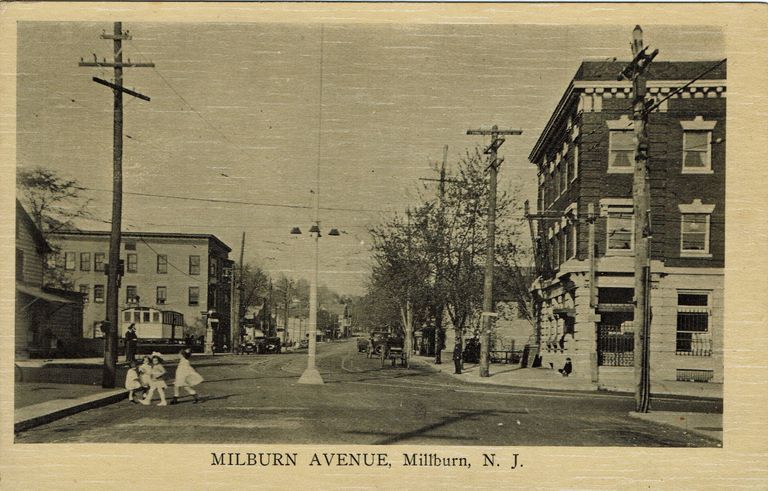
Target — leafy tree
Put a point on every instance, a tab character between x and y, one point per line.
402	269
467	209
254	287
54	203
435	257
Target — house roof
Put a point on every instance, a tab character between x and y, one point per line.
608	71
37	234
50	294
138	235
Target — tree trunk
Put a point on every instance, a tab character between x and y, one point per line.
439	334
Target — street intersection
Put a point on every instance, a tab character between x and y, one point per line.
255	399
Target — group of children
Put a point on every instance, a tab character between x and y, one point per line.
150	377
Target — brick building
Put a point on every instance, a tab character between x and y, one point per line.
46	319
585	159
170	272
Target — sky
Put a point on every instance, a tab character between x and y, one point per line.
270	114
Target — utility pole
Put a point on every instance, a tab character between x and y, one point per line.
537	268
237	296
270	324
113	267
493	166
439	338
408	342
287	300
636	71
233	325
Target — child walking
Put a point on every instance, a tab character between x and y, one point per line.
186	377
157	382
132	381
145	375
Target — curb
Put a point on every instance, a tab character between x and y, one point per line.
45	412
701	433
431	367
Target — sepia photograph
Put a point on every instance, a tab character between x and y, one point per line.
336	244
375	235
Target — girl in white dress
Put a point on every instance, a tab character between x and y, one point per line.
145	376
157	383
132	381
186	377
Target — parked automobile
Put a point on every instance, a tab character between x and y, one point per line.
249	347
362	345
271	345
304	343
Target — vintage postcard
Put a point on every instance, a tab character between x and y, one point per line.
379	245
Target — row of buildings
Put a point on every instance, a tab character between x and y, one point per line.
171	283
169	278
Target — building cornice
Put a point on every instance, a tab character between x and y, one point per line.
671	84
610	88
141	235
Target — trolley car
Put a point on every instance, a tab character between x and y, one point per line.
157	330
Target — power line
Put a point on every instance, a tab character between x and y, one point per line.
183	99
235	202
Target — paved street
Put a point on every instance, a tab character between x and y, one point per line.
255	399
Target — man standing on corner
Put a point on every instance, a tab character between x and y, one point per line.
131	340
457	359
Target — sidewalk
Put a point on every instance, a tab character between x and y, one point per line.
31	393
38	402
549	379
40	362
30	412
509	375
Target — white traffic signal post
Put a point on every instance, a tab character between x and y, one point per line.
211	325
311	375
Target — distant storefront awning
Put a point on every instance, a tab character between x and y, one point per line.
41	294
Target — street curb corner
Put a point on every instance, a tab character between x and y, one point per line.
47	417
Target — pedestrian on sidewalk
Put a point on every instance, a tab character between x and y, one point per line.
567	368
457	358
157	381
371	348
186	377
132	381
131	340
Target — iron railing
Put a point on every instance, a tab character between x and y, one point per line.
693	344
693	337
614	347
694	375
